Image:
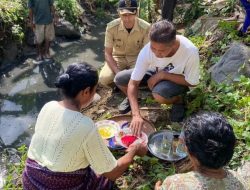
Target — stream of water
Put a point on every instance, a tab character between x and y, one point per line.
27	87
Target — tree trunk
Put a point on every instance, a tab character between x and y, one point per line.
167	9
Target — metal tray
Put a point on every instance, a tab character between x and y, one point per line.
159	144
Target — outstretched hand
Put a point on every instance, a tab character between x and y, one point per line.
136	125
139	148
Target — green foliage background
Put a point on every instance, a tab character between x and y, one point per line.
12	17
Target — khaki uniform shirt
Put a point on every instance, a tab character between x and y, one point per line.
126	46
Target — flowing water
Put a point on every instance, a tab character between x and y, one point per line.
28	86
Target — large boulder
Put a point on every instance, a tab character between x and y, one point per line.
66	29
204	25
234	62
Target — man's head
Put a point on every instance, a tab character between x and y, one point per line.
162	36
127	10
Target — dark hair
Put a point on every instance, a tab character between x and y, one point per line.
77	77
210	138
162	32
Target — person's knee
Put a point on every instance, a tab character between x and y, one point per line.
160	99
105	80
106	76
122	78
50	33
39	36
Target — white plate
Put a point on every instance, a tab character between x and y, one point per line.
126	131
107	128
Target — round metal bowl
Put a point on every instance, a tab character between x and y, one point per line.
165	146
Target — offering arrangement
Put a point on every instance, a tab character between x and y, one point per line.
165	145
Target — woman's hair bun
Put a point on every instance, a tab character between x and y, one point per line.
63	81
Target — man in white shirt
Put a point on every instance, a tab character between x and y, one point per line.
169	65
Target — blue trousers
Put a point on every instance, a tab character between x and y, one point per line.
246	5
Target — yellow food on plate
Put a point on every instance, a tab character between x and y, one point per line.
106	132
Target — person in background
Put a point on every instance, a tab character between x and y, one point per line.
210	143
243	29
167	9
124	38
169	65
66	150
41	16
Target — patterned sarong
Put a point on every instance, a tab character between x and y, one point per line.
36	177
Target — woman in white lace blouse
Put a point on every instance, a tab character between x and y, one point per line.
66	150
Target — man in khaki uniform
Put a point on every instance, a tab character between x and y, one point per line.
124	39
